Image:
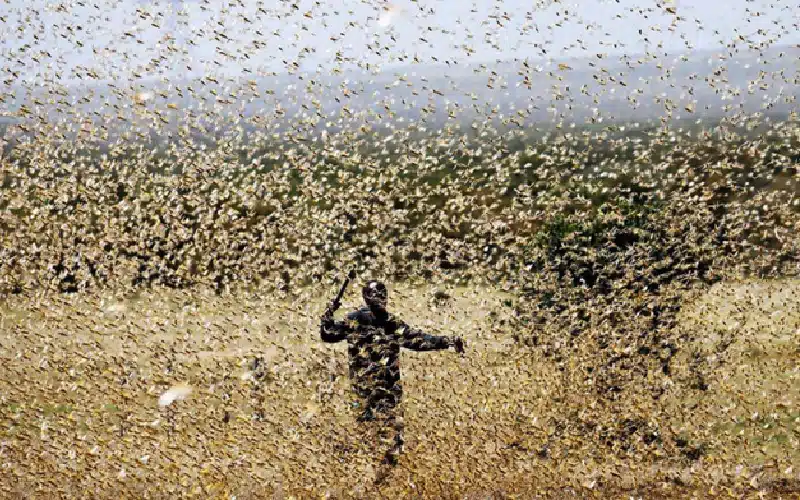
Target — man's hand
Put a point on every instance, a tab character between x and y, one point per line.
458	344
332	307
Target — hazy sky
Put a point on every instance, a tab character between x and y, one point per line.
264	36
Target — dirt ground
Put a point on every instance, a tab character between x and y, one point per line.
80	414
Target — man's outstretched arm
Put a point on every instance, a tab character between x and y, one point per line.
417	340
331	330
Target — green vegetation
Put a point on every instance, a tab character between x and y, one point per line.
468	199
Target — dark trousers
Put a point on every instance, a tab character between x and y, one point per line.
382	415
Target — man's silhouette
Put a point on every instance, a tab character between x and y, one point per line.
374	337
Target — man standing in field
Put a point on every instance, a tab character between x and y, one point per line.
374	337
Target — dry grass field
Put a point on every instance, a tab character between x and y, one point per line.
80	414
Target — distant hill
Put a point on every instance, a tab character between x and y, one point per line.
515	94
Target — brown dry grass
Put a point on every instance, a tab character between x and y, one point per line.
82	376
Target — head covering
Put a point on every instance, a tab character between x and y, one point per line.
374	289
